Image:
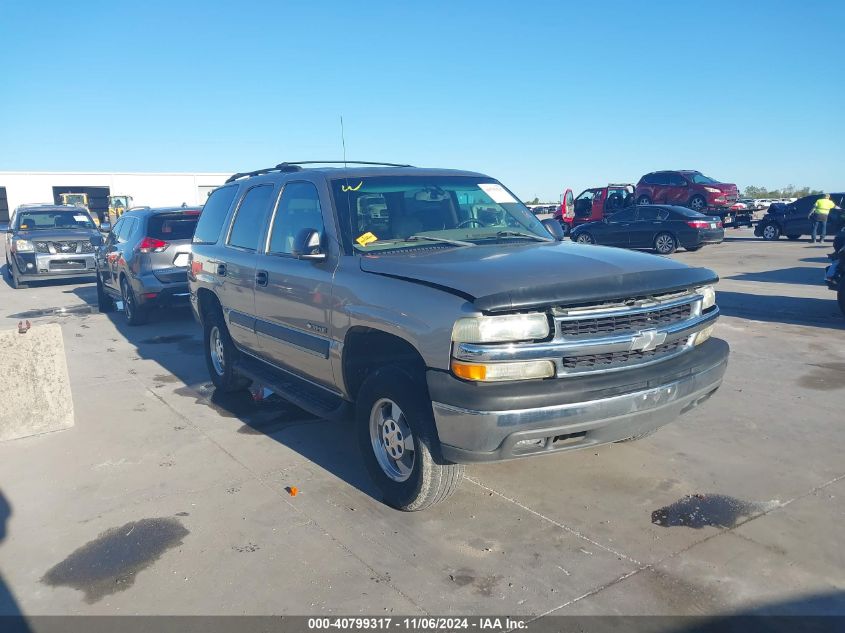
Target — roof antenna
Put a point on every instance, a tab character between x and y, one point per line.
343	141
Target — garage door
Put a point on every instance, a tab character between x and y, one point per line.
98	197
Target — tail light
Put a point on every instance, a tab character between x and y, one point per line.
152	245
698	224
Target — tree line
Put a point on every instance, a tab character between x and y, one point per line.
790	191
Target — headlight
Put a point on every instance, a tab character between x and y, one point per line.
712	190
24	246
500	329
709	297
494	372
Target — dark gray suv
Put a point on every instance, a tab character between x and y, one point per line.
144	261
50	242
429	306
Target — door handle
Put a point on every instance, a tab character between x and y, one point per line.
221	270
261	277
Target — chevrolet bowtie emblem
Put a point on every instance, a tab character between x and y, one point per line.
647	340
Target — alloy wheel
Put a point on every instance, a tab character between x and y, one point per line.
391	439
665	243
217	350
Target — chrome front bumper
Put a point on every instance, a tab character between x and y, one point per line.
55	266
474	435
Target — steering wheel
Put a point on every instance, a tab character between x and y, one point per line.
470	221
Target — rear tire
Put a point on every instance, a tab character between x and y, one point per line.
665	243
135	314
692	249
840	296
793	237
771	232
399	443
643	200
698	203
104	302
221	354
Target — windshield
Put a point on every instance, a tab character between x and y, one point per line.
40	220
382	213
701	179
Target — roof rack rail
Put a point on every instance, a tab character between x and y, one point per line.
292	166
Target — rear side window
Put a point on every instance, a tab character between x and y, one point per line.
214	214
249	219
125	229
676	180
172	226
298	209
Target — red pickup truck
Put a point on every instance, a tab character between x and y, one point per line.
593	204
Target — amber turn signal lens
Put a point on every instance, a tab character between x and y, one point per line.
469	372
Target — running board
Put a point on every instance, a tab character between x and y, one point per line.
315	400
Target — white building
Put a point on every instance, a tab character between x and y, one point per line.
146	189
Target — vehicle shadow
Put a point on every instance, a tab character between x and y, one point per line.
808	275
10	614
779	309
174	341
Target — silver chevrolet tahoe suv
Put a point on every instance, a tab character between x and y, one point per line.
433	305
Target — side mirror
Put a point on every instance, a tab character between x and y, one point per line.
105	227
306	245
553	226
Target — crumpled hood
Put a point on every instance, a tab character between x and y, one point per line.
507	277
59	235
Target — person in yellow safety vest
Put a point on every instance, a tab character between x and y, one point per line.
819	214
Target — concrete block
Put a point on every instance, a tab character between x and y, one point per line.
34	383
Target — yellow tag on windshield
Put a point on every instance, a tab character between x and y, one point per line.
366	238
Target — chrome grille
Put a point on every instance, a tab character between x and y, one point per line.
64	247
615	324
607	336
613	360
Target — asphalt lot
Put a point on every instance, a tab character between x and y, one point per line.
738	505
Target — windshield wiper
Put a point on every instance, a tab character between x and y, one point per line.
416	238
521	234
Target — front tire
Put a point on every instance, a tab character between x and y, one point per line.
104	302
692	249
665	244
13	276
399	443
771	232
643	200
793	237
221	354
840	295
585	238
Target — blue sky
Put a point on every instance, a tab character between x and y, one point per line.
542	95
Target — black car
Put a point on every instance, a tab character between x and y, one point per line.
793	219
663	228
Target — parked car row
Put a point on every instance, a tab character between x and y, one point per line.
686	188
793	219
